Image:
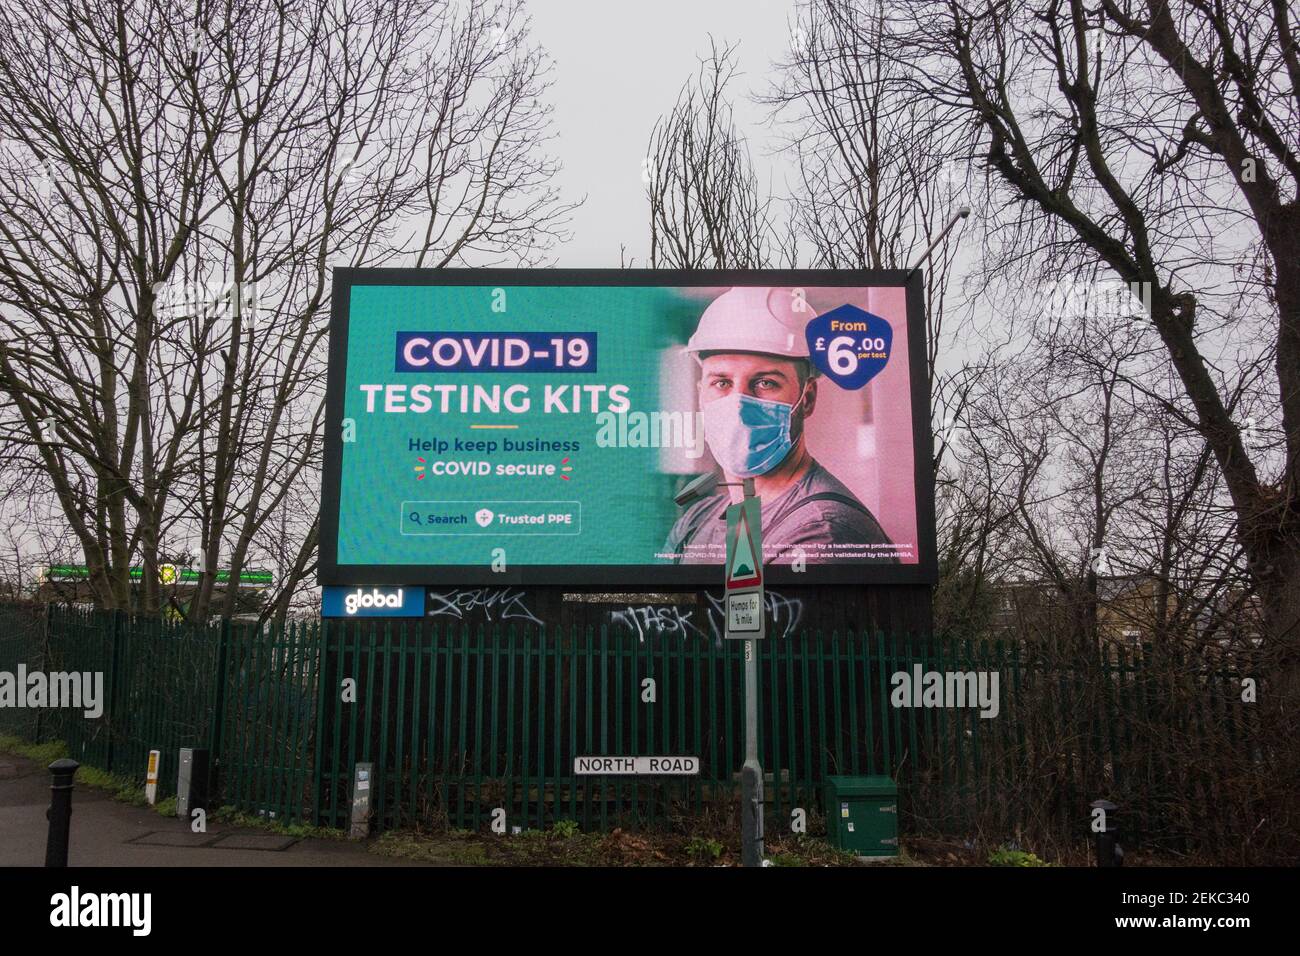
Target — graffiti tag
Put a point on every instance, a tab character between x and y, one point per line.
656	619
660	620
495	604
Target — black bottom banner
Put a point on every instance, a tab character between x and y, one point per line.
339	905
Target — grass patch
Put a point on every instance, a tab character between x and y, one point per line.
44	754
564	845
124	790
802	850
121	788
553	847
565	828
1003	856
456	848
238	818
704	849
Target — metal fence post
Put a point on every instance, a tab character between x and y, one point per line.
1109	852
60	812
319	719
215	732
45	660
111	696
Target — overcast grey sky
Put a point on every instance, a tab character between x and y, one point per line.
618	66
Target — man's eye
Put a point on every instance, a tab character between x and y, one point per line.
766	384
721	383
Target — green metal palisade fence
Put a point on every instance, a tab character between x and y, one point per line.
461	720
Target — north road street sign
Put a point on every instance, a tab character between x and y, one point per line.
638	766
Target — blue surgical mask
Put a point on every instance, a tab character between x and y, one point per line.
748	436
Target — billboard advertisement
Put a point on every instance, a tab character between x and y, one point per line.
532	426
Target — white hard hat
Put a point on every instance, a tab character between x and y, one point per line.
748	319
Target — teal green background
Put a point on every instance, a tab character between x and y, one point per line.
627	510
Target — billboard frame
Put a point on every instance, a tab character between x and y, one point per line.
621	577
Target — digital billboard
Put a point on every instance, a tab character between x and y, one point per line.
532	426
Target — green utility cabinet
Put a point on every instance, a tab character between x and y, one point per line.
862	815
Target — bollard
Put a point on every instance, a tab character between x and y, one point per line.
1109	852
60	812
361	794
191	781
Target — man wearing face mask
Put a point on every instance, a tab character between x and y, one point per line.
757	390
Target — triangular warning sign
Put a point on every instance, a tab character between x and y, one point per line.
744	570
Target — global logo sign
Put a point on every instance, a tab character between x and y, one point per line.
372	602
356	600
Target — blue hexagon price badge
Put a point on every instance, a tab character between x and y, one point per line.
850	346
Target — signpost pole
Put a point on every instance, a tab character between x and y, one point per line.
751	774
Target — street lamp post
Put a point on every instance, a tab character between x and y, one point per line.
961	213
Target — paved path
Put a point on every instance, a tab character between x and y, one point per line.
108	833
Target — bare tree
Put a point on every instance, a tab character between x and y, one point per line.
1156	141
879	175
707	210
879	178
175	192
